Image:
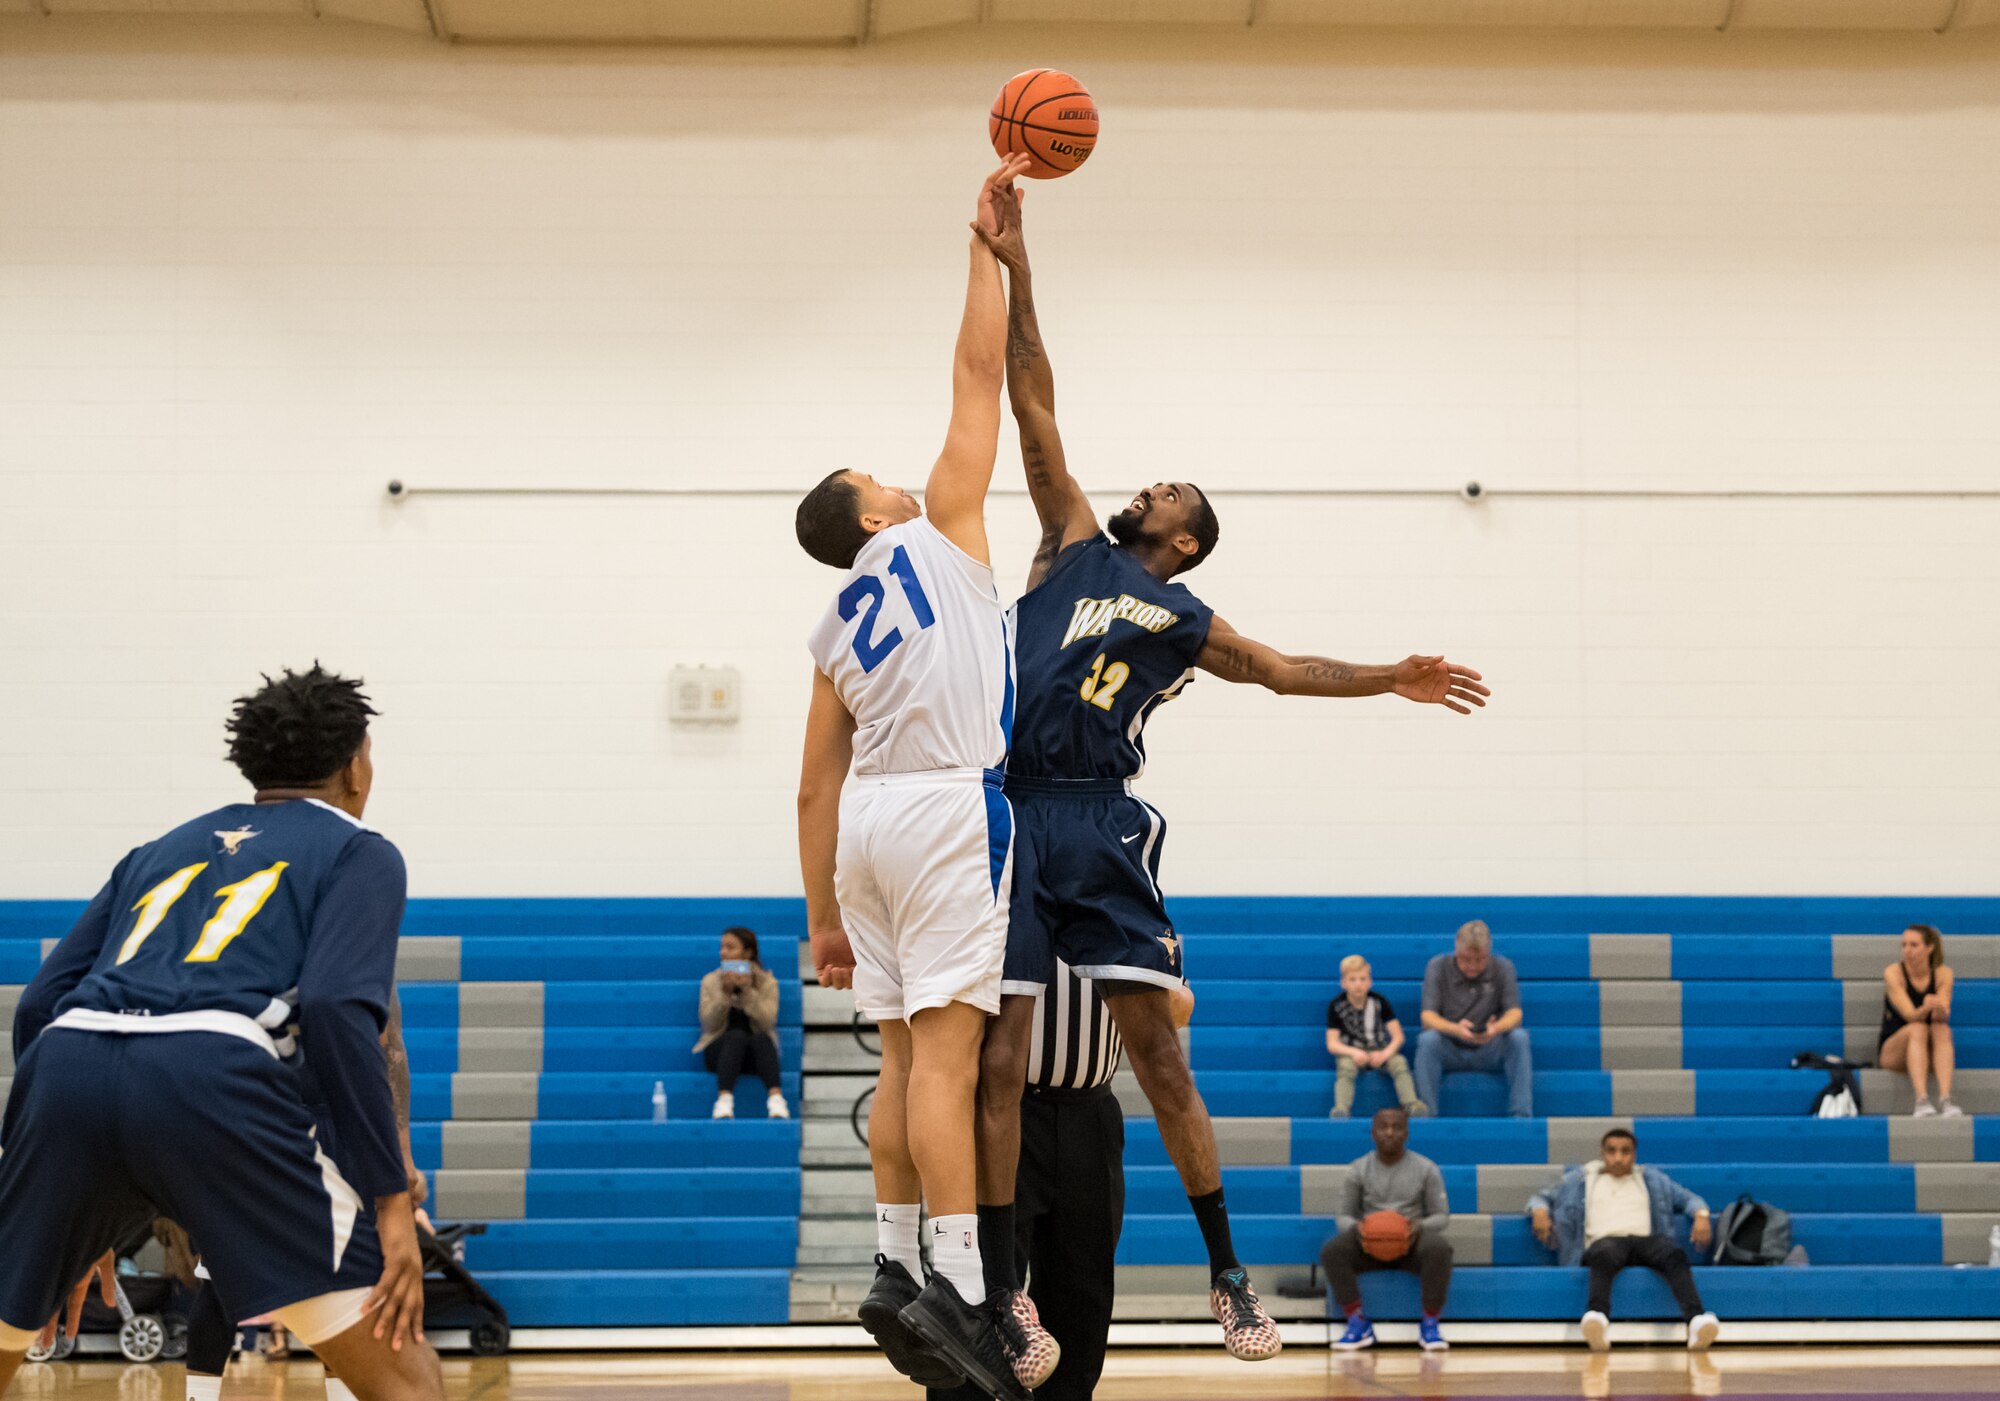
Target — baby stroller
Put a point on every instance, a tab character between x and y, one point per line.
453	1298
147	1323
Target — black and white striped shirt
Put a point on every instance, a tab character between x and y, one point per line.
1076	1045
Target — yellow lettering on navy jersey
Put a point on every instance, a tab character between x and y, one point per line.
1094	616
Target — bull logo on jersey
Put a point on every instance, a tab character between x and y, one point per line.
1094	616
232	842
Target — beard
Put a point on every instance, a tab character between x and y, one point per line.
1126	527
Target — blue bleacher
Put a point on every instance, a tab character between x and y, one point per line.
628	1222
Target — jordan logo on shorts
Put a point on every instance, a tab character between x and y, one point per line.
1172	944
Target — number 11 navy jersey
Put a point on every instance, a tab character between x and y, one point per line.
1100	644
235	924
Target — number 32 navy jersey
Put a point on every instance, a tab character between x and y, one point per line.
1100	645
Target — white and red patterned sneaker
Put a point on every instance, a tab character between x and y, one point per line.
1031	1347
1247	1331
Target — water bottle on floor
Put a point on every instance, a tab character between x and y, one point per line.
659	1101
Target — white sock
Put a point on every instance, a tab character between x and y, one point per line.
336	1390
200	1388
896	1237
955	1255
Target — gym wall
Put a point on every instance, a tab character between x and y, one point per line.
248	276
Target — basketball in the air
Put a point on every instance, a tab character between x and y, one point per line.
1048	115
1385	1235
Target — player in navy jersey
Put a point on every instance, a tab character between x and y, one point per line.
149	1079
1104	636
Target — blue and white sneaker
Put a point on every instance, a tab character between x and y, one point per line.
1428	1337
1360	1334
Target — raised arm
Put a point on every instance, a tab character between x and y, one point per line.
1060	504
829	751
955	496
1428	680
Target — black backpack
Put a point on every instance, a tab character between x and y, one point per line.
1840	1096
1750	1232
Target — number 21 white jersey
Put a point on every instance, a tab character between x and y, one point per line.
919	650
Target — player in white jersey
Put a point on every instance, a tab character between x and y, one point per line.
908	858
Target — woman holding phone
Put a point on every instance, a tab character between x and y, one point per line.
739	1025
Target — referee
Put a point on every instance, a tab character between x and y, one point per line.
1069	1199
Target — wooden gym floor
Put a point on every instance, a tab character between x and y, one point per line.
1933	1371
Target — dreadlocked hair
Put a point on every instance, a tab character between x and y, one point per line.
299	730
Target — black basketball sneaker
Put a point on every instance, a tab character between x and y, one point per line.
968	1336
892	1292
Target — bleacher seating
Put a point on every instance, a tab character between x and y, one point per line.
1687	1037
538	1028
537	1031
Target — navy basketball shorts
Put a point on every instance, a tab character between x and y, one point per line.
105	1131
1086	887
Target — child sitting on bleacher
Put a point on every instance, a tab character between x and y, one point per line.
1362	1033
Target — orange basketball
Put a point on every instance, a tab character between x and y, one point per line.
1048	115
1385	1235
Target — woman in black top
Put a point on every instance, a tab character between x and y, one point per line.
1916	1019
739	1025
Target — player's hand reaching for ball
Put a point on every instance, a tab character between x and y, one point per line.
397	1300
1009	245
987	221
833	957
1435	681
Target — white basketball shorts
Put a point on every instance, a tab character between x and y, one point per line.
924	872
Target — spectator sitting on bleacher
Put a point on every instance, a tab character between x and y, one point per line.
1612	1214
1472	1021
739	1023
1362	1033
1396	1180
1916	1020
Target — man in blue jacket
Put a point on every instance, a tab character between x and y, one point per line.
1612	1214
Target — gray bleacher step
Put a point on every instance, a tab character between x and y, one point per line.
830	1143
827	1007
1888	1092
1958	1187
500	1004
837	1052
829	1293
837	1192
1931	1140
10	999
1639	1048
1628	1002
833	1096
1862	956
1623	956
427	958
1968	1236
851	1233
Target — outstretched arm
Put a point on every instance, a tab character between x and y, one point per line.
828	754
1431	680
955	497
1031	389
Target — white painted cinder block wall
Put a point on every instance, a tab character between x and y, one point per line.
248	276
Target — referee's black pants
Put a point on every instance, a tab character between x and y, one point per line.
1069	1207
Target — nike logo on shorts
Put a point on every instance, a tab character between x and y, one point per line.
1127	841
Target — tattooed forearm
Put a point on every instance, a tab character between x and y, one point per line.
397	1057
1234	661
1325	670
1024	346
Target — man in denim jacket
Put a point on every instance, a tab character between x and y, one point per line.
1612	1214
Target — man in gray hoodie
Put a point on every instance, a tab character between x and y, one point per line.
1391	1179
1612	1214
